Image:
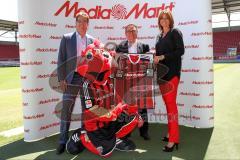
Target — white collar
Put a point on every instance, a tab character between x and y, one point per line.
78	35
133	44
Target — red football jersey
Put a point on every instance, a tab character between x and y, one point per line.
134	80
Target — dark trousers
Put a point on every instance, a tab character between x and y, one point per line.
144	129
69	98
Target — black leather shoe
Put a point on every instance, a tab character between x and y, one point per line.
60	149
170	149
165	139
145	136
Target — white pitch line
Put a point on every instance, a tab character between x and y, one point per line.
140	150
12	132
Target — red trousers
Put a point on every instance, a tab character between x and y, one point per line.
169	94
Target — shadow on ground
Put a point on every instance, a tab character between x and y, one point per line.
193	145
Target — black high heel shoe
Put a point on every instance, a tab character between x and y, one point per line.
165	139
167	149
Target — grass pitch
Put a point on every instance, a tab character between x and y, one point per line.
220	142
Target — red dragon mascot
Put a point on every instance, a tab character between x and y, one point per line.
106	119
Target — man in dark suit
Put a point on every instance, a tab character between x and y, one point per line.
71	46
132	45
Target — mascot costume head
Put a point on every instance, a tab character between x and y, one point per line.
96	63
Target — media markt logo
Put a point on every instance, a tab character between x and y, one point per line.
117	11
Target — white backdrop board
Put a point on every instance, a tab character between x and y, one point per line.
42	24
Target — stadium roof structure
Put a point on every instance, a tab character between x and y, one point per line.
8	26
225	6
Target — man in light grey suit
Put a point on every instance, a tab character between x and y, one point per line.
71	46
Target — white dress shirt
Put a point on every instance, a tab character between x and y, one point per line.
81	45
132	48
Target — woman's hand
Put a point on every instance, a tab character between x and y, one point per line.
158	58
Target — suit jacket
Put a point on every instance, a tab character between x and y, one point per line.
123	47
67	56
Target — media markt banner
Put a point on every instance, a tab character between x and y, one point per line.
42	24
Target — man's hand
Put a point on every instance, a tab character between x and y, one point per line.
140	122
63	85
158	58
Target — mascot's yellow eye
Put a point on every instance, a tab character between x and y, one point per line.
89	55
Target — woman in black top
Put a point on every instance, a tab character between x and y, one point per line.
169	49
